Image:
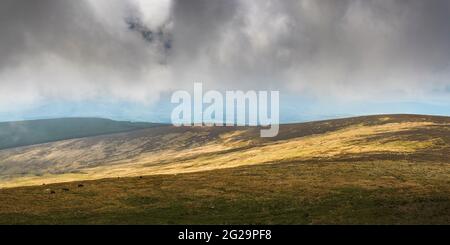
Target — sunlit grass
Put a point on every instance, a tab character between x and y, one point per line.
228	151
374	192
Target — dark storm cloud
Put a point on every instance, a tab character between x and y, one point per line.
348	47
74	49
200	24
345	48
134	50
71	30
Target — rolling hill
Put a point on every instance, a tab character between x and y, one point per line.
371	170
169	150
22	133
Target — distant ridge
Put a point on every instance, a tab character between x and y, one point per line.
23	133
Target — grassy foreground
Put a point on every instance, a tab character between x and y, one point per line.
370	192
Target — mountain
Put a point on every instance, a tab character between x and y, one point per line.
22	133
386	169
173	150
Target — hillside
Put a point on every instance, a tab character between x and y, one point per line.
390	169
172	150
22	133
365	192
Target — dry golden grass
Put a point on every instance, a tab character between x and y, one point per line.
366	192
375	170
226	151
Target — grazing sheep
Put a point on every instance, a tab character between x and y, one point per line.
50	191
80	185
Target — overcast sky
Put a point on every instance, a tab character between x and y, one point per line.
328	57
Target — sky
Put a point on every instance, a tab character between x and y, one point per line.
123	59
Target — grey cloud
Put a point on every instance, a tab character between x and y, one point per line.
199	24
69	49
332	48
71	30
346	48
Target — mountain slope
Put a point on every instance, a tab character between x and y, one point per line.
389	169
171	150
22	133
